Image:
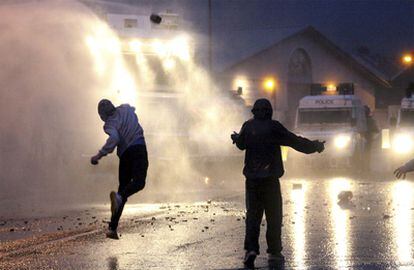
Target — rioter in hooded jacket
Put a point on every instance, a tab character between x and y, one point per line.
261	138
127	135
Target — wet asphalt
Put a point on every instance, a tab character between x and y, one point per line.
368	226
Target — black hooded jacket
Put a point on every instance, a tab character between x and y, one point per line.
262	137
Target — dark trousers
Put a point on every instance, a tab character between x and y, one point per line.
133	167
263	195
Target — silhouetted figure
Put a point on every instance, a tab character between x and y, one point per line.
125	133
262	137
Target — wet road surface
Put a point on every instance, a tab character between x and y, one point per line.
371	230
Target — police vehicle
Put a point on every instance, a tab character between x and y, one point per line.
335	115
399	140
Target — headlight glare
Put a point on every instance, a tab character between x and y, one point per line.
402	143
341	141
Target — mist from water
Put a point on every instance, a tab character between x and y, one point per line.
58	60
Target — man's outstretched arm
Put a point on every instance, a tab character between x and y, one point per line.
304	145
109	145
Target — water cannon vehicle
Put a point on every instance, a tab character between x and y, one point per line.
160	56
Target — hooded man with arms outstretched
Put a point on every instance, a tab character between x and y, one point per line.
125	133
262	137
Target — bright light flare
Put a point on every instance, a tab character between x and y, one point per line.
407	59
168	64
180	47
331	88
341	141
402	144
206	180
269	84
135	46
159	48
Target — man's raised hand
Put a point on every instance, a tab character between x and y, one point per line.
320	146
234	137
400	172
95	159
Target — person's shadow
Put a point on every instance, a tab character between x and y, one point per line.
112	263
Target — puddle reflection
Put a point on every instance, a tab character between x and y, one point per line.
340	222
299	218
402	200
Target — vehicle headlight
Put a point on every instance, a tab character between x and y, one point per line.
402	143
341	141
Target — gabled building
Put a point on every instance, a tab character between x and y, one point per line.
285	71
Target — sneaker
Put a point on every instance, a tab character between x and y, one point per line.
116	201
276	259
249	259
112	234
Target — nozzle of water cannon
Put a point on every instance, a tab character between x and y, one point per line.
155	18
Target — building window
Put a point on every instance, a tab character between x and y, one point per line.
130	23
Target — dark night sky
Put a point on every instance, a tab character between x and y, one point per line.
386	27
241	27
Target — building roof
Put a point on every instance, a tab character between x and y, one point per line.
357	63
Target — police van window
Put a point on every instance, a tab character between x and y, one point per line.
325	116
130	23
407	118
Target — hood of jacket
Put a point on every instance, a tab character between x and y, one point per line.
262	109
105	109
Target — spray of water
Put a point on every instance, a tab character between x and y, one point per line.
58	60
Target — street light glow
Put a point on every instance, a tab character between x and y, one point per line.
407	59
269	84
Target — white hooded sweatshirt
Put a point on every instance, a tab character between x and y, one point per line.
123	129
